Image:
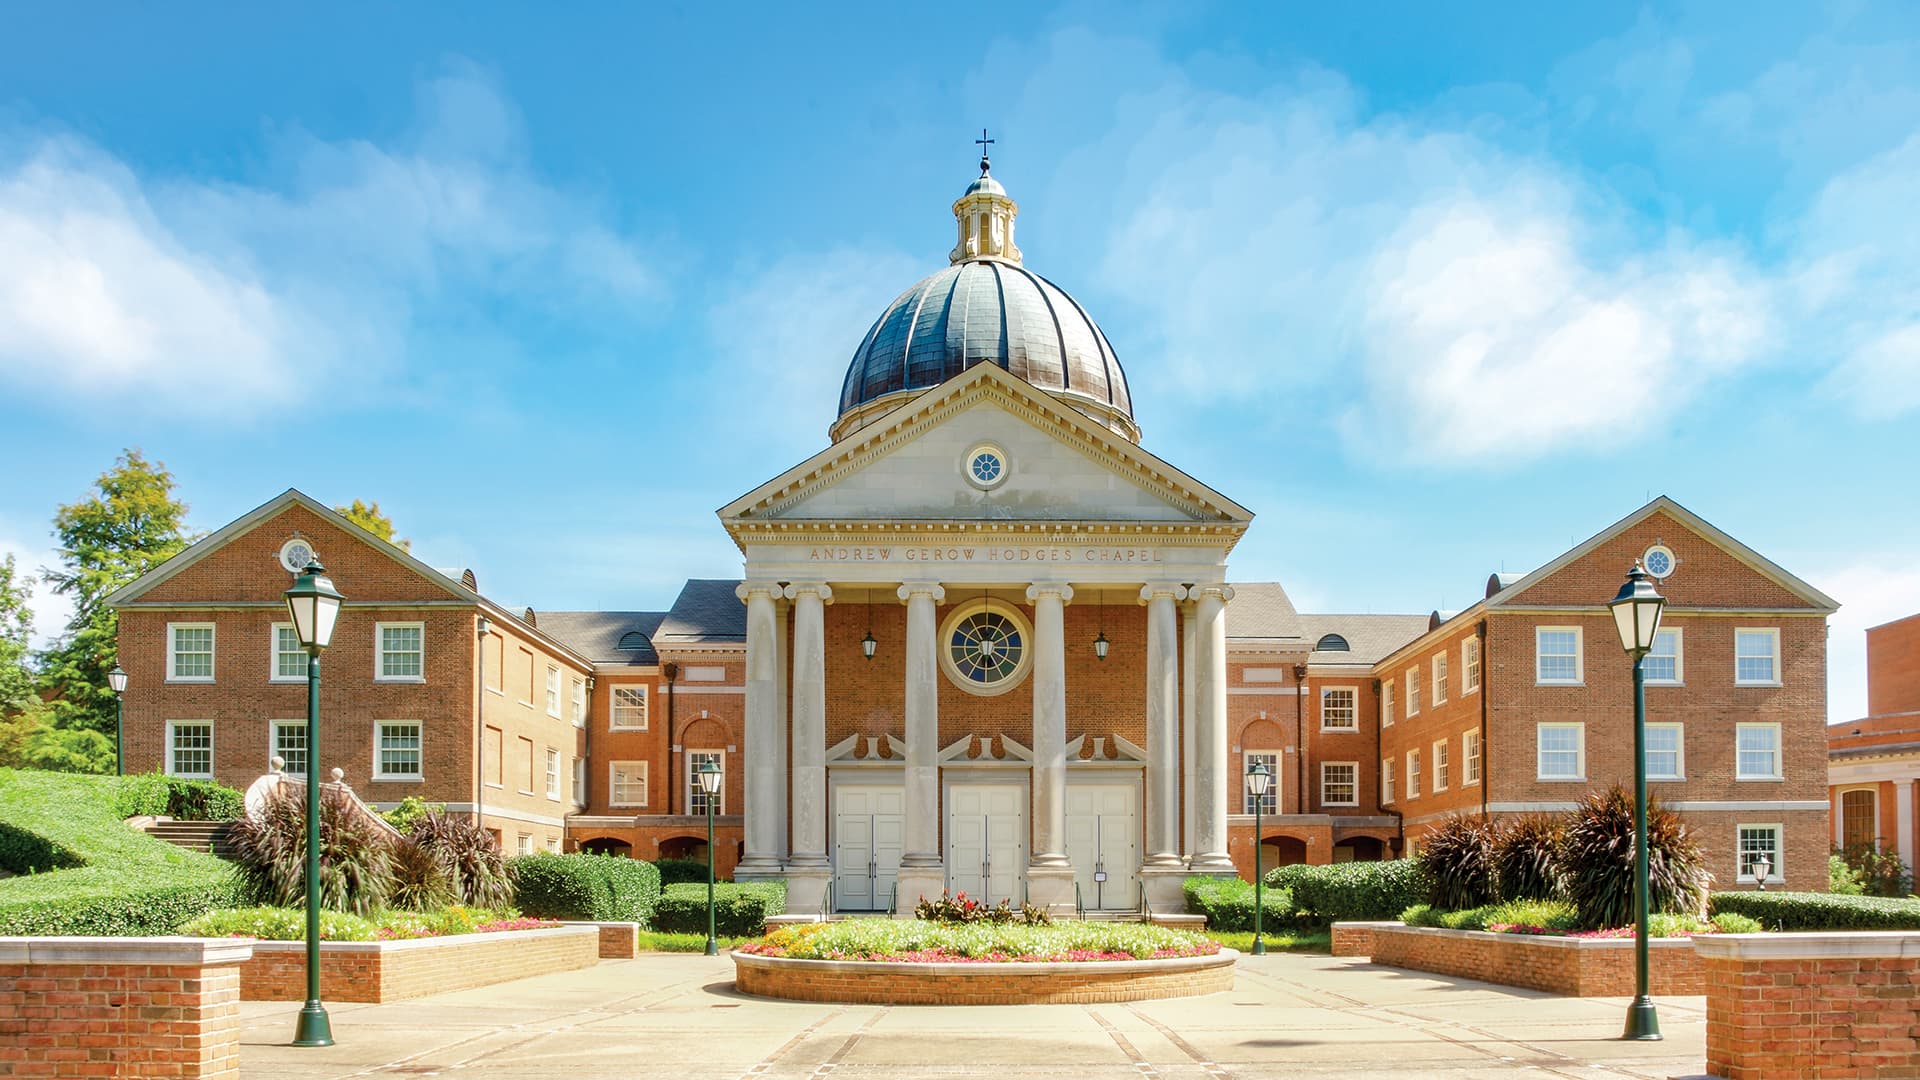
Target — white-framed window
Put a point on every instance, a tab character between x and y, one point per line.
396	750
696	797
399	651
1469	666
1562	751
290	745
1666	661
190	652
1270	802
1440	766
525	846
1755	841
1756	656
1757	747
1557	656
1413	774
553	844
1340	783
1339	710
190	749
1469	758
629	709
553	773
579	703
1386	780
627	783
1440	678
579	781
1386	703
553	691
1666	751
289	660
1413	691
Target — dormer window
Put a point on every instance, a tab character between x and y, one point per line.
1331	643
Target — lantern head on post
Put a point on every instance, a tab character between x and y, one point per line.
1259	780
117	679
709	775
314	606
1636	612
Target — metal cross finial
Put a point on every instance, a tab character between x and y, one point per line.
983	142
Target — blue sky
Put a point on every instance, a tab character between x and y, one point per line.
1433	291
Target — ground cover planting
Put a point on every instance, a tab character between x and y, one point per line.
290	924
918	942
1558	918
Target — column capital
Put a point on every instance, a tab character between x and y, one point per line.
811	588
746	590
1156	591
1058	589
910	589
1220	592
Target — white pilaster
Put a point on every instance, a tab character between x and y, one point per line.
1189	648
764	811
922	871
808	870
1212	780
1163	724
1049	874
1903	830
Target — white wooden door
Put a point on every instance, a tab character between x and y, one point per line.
987	841
1103	843
869	825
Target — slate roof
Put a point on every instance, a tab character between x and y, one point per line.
1262	611
705	610
596	634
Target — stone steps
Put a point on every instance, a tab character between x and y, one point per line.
204	836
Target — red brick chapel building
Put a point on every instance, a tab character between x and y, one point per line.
986	640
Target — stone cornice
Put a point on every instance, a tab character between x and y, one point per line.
1127	533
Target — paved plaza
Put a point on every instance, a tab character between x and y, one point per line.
678	1016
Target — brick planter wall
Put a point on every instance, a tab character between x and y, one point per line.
378	971
618	940
882	983
119	1007
1356	938
1575	967
1814	1006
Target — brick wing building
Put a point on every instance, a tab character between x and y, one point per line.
1874	762
987	641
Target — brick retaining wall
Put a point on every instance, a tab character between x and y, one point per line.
1356	938
1576	967
378	971
119	1007
1812	1006
881	983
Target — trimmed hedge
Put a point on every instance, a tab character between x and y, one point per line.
156	794
682	871
739	909
1359	890
90	873
1283	877
597	888
1819	911
1228	904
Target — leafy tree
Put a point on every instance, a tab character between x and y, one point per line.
130	525
369	517
16	622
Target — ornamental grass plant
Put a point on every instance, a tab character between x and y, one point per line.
914	941
1596	861
1458	858
1524	858
356	856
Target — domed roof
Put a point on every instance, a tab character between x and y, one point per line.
986	307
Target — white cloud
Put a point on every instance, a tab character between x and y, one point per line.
1871	592
225	298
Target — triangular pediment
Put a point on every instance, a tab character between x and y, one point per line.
911	466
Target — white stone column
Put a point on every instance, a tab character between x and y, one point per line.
1189	648
1903	838
922	870
808	870
1163	724
1214	782
1049	873
764	811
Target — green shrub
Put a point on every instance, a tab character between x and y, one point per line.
1458	857
1474	918
951	908
1283	877
597	888
1843	880
356	855
1228	904
156	794
1524	854
1879	873
681	871
1549	914
410	810
278	924
469	854
1596	861
1359	890
111	880
1818	911
740	909
1728	922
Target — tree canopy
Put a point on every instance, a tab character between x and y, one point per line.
16	623
369	517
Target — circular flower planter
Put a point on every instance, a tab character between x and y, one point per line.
873	982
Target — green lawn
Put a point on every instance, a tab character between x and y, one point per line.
661	941
1312	941
115	880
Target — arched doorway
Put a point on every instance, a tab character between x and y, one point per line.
1282	851
607	845
1359	849
684	847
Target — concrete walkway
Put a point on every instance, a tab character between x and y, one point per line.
678	1016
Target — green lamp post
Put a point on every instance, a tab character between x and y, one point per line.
314	607
1636	614
710	777
117	680
1259	781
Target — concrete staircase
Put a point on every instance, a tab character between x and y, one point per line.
203	836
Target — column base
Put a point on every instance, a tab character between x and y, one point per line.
1215	863
914	882
1165	886
758	868
807	890
1050	888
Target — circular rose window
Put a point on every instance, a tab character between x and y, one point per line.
985	466
986	648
